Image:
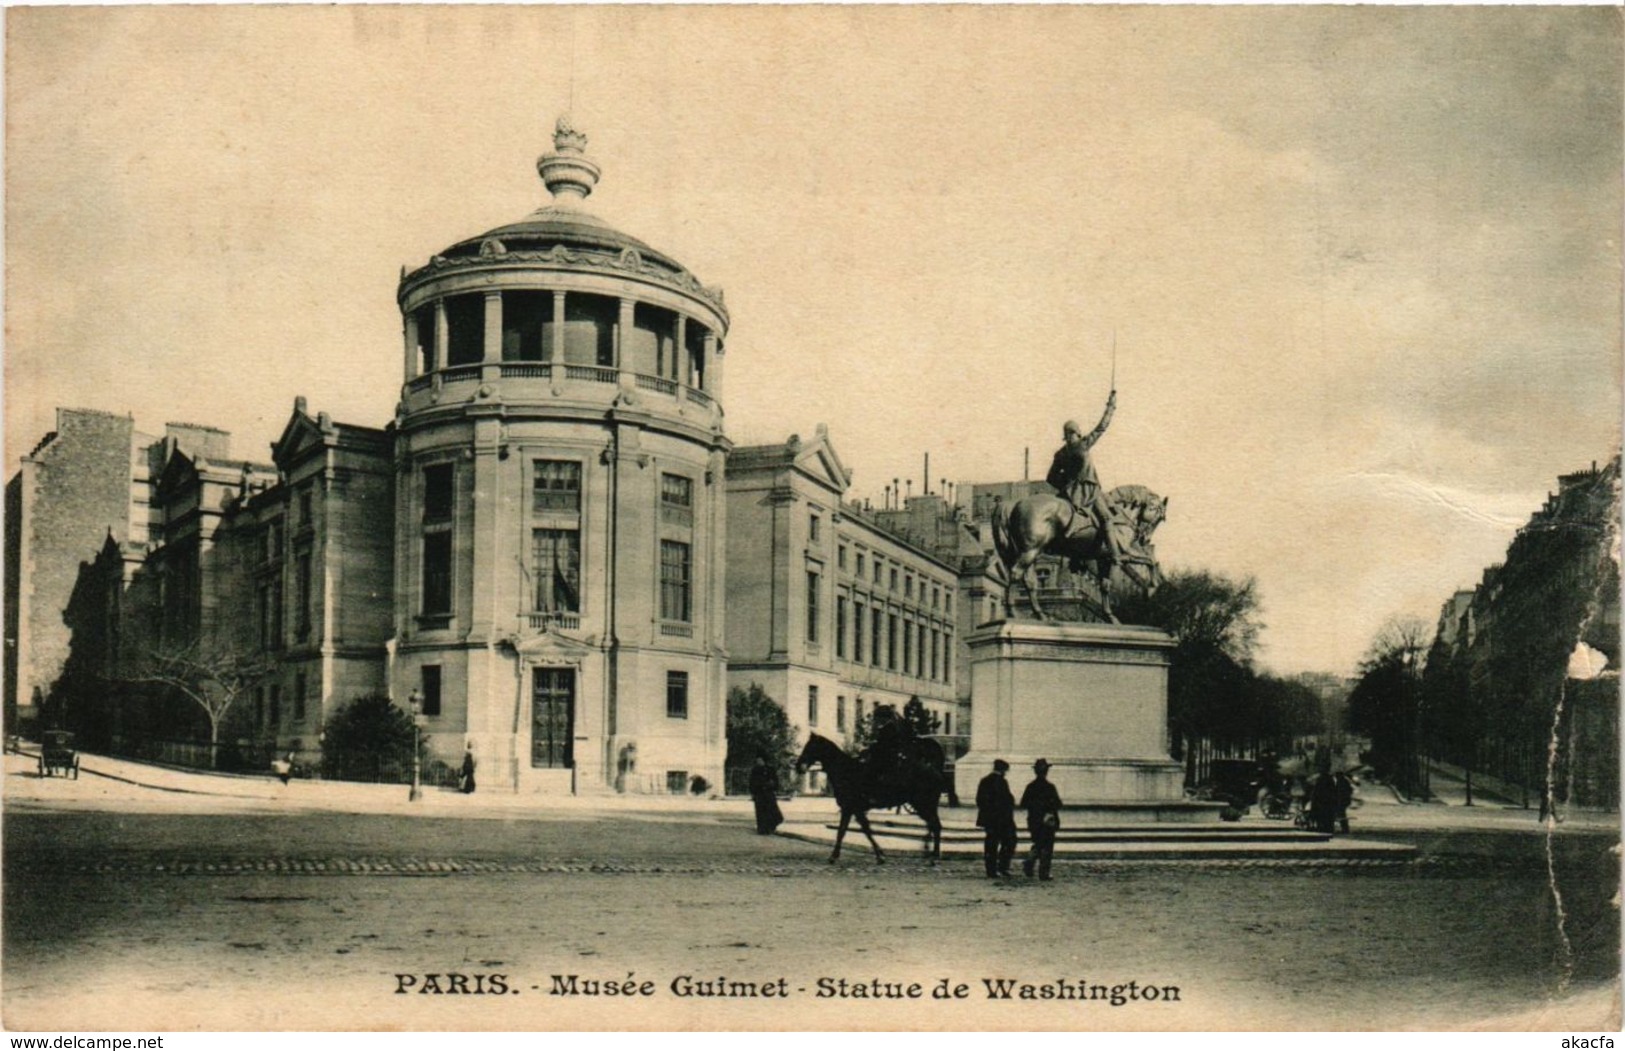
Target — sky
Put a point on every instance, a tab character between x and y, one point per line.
1361	265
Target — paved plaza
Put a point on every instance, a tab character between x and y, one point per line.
159	899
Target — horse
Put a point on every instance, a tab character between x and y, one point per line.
1043	523
857	790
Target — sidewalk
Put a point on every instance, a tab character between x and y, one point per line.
106	782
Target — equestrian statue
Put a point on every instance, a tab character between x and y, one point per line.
1098	532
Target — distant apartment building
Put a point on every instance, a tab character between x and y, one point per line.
89	484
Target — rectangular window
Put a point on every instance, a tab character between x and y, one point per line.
840	713
465	329
894	578
677	695
878	570
891	642
840	625
556	487
437	573
948	723
840	557
302	590
299	686
676	500
425	317
430	679
908	647
857	632
812	706
812	606
812	528
947	656
266	602
439	487
919	653
305	515
276	706
675	568
860	564
935	636
908	586
876	627
555	570
524	318
438	495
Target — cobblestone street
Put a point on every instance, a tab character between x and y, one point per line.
122	913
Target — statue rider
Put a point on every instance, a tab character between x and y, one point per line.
1072	473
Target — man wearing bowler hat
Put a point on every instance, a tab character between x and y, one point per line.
1043	805
996	816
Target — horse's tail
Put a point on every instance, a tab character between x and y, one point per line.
1002	544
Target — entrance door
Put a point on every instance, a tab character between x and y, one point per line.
552	718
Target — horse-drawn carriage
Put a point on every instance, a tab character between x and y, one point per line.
57	755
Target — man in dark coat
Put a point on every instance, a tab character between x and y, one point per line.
1043	805
465	777
996	816
764	792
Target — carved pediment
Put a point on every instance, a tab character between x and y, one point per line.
300	435
818	460
552	647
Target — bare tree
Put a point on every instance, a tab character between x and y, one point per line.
212	678
1404	636
1386	703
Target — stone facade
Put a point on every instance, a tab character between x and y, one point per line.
559	520
828	611
531	551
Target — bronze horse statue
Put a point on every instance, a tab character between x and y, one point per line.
1044	523
917	781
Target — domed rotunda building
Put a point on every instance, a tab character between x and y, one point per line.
559	510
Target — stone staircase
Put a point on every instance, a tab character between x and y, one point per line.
1140	841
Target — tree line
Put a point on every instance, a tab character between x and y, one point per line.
1501	688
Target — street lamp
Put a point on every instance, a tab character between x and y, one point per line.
416	701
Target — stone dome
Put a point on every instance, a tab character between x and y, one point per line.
562	232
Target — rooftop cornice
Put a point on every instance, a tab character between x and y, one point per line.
628	262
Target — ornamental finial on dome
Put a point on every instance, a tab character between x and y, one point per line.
567	173
566	138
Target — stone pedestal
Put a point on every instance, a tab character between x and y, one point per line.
1090	698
